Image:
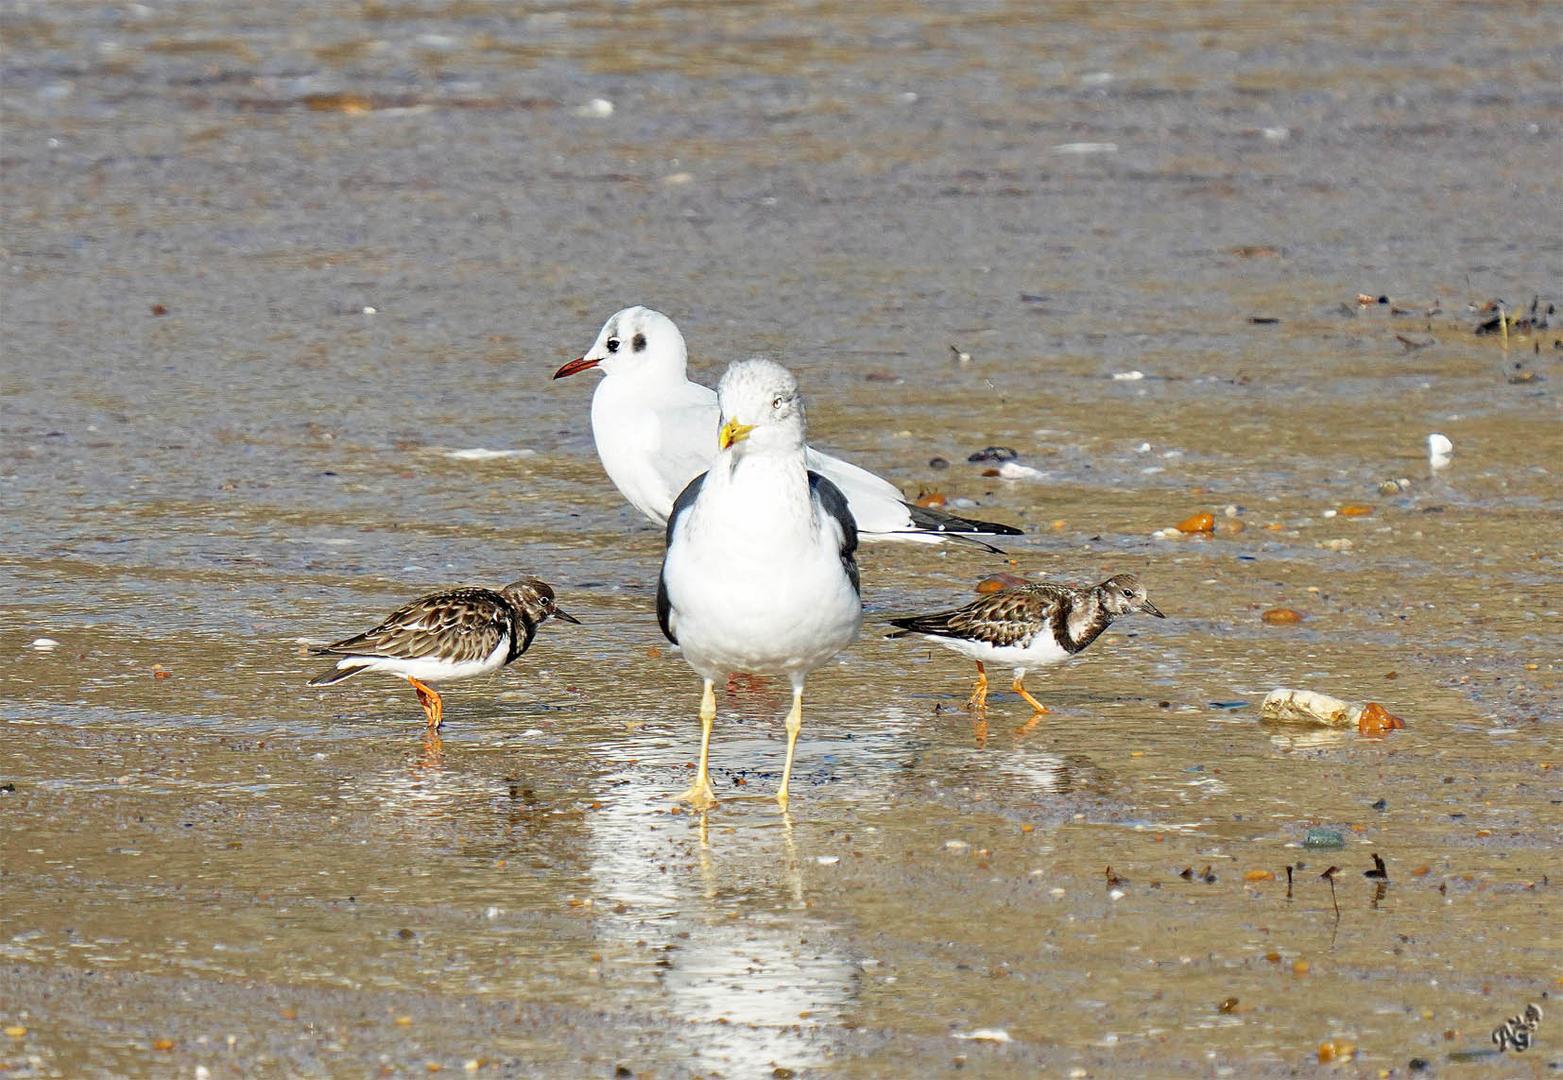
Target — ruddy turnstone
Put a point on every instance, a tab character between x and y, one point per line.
1029	626
656	431
447	636
759	574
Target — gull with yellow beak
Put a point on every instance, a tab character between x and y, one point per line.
759	574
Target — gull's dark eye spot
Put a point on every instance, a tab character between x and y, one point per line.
638	342
778	403
613	344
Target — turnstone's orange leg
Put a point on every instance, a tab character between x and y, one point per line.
433	707
794	725
701	796
1020	689
979	693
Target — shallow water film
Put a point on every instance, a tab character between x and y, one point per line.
284	285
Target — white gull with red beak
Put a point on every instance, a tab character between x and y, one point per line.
656	431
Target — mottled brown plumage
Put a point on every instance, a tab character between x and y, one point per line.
1029	626
446	636
460	626
1011	617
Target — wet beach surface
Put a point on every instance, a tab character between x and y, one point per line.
267	268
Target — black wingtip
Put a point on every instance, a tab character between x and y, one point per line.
946	523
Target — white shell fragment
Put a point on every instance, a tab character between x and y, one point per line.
44	644
996	1035
1439	450
597	108
1309	707
478	453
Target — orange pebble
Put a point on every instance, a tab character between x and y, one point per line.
1282	616
1336	1050
1377	721
1202	522
999	582
1259	875
1356	510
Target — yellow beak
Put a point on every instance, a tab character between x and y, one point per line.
733	432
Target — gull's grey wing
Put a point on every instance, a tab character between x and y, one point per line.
833	504
685	500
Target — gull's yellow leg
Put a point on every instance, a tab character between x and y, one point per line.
979	693
701	795
794	725
1020	689
433	707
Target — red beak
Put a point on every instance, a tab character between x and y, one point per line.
575	367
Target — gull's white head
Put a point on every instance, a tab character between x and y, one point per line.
761	408
635	341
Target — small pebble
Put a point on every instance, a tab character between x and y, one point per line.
938	463
1439	450
1128	376
1014	470
956	845
597	108
998	1035
1377	721
1202	522
44	644
1281	616
993	453
827	860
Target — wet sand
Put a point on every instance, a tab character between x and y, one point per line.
266	267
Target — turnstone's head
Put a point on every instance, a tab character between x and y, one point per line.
761	407
1123	594
635	340
535	598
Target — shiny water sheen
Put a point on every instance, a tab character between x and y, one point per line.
224	869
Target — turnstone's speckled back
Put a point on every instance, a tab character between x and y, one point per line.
1029	626
447	636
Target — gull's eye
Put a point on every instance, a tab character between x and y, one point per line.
613	344
777	403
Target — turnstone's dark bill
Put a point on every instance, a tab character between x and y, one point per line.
1029	626
656	431
447	636
759	573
